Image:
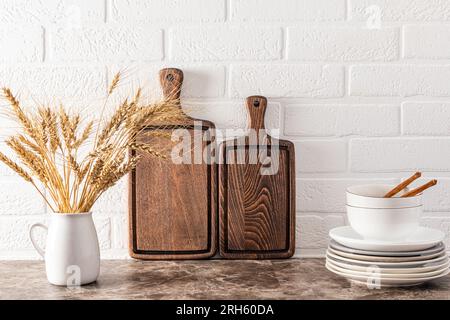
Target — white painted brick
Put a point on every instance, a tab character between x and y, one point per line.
442	223
400	10
69	13
107	44
342	44
288	10
203	81
312	230
168	10
425	118
232	115
341	120
320	156
225	43
20	198
426	42
54	82
115	254
114	200
438	198
5	171
287	80
14	233
400	154
21	44
400	80
120	231
328	195
7	124
200	81
103	227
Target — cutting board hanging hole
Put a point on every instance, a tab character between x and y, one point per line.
171	80
170	77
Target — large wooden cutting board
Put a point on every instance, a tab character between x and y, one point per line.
257	211
172	207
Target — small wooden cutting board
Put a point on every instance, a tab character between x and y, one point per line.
257	198
172	207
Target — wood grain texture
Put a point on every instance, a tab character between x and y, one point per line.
256	211
172	207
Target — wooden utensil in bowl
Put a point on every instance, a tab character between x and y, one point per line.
420	189
402	185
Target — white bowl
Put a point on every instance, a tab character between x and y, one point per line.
384	224
371	196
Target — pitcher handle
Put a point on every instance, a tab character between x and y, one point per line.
33	241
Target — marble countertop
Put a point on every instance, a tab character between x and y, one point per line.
208	279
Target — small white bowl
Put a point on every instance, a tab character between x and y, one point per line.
384	224
371	196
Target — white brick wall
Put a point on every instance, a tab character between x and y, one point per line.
403	80
341	120
287	80
427	42
111	43
158	11
24	44
225	43
342	44
287	10
362	87
401	10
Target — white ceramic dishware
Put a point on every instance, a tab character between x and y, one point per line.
422	238
376	259
372	196
384	244
369	272
386	286
439	247
394	270
72	254
384	224
377	218
441	258
386	282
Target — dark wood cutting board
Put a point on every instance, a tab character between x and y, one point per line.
256	210
172	207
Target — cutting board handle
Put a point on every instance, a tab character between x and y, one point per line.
171	80
256	107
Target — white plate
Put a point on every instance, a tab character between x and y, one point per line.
337	246
388	281
362	283
442	257
368	273
428	268
385	259
423	238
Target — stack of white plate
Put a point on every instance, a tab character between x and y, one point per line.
417	259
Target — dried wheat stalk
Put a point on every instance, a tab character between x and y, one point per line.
48	148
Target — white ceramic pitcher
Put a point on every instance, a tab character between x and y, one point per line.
72	254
